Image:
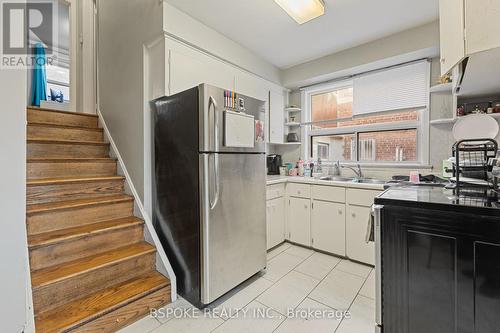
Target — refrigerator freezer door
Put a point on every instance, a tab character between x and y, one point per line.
212	127
233	221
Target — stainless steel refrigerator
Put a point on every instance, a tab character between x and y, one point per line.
209	189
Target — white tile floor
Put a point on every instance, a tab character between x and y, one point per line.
316	285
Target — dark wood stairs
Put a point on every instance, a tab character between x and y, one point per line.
91	269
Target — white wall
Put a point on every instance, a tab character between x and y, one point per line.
405	46
124	27
14	276
186	28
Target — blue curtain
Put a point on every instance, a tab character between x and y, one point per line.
39	83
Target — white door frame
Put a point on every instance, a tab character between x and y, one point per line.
73	51
88	80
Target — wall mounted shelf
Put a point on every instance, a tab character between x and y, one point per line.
442	88
287	143
453	120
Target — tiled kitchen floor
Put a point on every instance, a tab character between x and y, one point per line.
296	278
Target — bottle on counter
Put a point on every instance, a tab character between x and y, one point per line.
307	170
300	167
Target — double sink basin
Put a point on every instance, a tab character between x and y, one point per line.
353	180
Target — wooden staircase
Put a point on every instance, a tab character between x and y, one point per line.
91	269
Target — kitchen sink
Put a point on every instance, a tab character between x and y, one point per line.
370	181
353	180
337	178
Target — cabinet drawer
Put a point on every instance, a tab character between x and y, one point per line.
299	190
328	193
361	197
275	191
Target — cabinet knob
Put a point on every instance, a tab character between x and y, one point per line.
443	60
340	211
305	206
353	214
298	192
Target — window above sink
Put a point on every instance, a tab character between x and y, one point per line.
341	125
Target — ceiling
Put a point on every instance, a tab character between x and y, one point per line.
264	28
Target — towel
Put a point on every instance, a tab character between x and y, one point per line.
39	83
370	230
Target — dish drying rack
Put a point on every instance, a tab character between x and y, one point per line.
472	159
477	197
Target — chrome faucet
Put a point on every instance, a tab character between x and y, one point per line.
357	171
336	168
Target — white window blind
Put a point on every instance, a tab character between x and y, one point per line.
398	88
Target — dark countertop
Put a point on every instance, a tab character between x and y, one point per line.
467	200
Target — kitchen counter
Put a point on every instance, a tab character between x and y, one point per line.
470	200
271	180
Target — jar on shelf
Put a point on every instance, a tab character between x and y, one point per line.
496	107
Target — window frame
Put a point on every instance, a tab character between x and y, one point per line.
421	125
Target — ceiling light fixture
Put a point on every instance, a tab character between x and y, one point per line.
302	11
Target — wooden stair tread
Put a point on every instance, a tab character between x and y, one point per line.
69	204
74	127
46	276
64	112
70	160
78	312
53	237
67	142
70	180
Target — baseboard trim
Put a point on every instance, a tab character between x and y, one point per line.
140	207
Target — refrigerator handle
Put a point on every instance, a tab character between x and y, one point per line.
213	202
212	103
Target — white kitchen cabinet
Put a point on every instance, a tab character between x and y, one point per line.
189	68
356	226
250	85
328	226
481	25
452	31
299	221
275	222
276	117
467	27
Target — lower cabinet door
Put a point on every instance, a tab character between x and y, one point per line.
299	221
328	227
356	226
275	222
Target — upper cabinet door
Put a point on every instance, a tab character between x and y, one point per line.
276	117
250	85
451	13
189	68
481	24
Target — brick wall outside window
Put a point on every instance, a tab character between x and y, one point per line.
338	105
